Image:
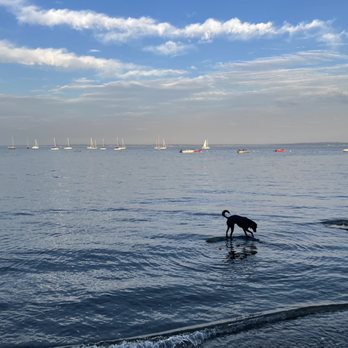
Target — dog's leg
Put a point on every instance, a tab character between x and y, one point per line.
245	232
251	232
232	229
228	227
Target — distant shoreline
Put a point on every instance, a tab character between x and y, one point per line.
199	144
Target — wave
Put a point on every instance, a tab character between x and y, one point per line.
336	223
193	336
16	213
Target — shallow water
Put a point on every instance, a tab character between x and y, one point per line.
102	245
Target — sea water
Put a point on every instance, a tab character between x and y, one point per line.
98	246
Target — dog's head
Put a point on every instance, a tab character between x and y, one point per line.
254	226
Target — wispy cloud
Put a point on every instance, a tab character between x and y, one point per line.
271	80
288	93
12	3
294	60
60	58
334	39
119	29
169	48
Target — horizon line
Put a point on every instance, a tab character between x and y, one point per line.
198	144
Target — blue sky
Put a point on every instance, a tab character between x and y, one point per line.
231	71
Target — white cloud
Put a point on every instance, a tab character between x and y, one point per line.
60	58
334	39
113	28
305	27
232	28
169	48
299	59
118	29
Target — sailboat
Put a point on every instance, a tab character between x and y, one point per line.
36	145
67	146
12	146
92	145
103	147
159	146
119	147
205	145
54	147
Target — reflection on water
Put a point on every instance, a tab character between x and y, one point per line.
239	250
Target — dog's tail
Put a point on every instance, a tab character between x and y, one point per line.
224	213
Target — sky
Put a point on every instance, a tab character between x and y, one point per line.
231	71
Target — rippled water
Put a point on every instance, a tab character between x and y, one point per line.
97	246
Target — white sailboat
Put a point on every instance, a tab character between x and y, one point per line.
92	145
119	147
160	146
103	146
54	147
205	145
12	146
36	145
67	146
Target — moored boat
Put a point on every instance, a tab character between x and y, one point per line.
205	145
103	146
36	145
242	151
54	147
92	145
119	147
160	146
67	146
191	150
12	146
279	150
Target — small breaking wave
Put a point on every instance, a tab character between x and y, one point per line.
336	223
195	336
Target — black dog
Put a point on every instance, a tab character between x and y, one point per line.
240	221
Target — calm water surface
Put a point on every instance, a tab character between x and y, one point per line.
96	246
